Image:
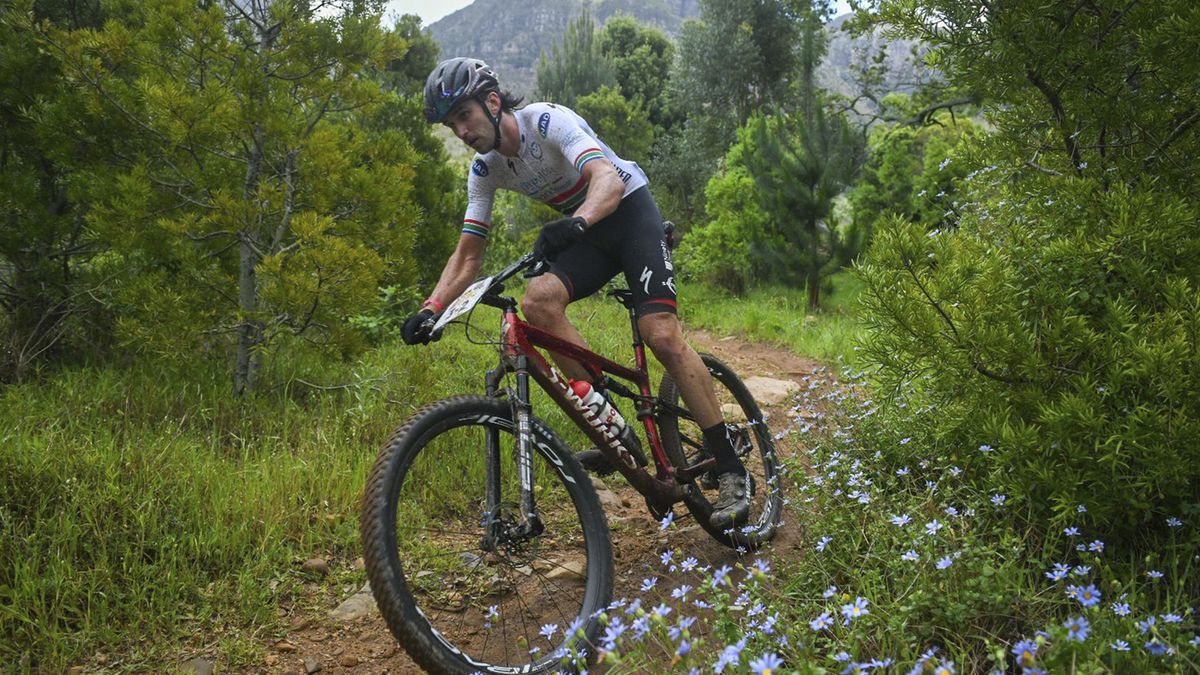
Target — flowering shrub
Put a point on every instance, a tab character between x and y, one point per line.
1058	332
910	567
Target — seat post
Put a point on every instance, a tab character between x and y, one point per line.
633	324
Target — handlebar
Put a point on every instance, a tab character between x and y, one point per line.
530	264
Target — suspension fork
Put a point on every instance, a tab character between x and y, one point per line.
531	523
492	522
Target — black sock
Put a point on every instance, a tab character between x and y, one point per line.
717	441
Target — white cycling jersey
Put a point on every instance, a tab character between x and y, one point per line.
556	143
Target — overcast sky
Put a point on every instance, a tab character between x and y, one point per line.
432	10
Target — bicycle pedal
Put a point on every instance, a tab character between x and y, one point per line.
658	513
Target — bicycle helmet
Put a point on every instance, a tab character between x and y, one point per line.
456	80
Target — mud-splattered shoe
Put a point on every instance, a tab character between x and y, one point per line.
733	502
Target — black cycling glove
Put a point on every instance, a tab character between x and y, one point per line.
557	236
414	331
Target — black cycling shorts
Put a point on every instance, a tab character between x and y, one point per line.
630	240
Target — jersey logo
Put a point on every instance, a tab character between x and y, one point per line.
544	124
535	150
480	168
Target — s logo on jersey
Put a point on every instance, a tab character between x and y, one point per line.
544	124
480	168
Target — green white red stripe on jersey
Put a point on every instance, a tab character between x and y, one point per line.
475	227
587	156
571	198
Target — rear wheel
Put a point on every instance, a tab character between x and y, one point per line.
461	599
684	444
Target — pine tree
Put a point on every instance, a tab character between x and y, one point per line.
803	161
50	148
575	66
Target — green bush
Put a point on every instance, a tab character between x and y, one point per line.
719	252
1052	341
910	172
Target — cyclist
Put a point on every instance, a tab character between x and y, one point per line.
610	224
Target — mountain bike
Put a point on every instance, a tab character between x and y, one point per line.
485	543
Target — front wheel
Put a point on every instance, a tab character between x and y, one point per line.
466	590
684	444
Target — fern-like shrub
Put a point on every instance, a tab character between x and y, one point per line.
1052	342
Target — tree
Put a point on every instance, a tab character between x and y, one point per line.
622	125
803	161
1057	323
258	202
802	164
434	179
912	172
406	72
575	66
641	59
771	204
736	59
50	150
727	249
1086	86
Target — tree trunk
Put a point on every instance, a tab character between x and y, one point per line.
249	330
813	273
250	327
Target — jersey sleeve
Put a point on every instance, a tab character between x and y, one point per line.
480	196
575	141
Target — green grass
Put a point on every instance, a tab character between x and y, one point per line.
780	315
141	505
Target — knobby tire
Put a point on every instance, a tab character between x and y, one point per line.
454	607
682	442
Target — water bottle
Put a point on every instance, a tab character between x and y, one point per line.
609	417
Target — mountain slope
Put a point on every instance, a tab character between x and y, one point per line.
511	36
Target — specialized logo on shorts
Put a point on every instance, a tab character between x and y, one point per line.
647	275
544	124
480	168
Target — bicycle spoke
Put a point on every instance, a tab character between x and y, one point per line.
490	604
753	443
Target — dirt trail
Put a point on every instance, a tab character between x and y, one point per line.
366	646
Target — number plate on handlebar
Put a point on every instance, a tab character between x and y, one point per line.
463	303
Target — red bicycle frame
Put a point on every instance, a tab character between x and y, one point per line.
519	354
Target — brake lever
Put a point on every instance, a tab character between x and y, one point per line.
539	268
427	327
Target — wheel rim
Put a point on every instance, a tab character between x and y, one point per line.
755	447
501	601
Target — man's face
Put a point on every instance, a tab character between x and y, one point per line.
471	125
